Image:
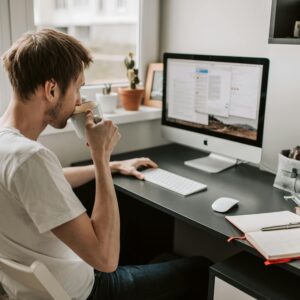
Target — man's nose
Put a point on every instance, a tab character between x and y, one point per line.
79	101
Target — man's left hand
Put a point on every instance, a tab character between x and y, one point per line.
130	167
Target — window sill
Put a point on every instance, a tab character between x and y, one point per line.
121	116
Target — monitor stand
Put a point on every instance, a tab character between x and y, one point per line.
213	163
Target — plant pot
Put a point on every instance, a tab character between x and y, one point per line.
108	103
131	98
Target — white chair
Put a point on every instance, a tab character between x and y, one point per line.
36	277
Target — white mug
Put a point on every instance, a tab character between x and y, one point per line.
79	116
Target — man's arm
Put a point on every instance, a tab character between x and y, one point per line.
97	239
78	176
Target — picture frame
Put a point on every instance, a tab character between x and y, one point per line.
154	85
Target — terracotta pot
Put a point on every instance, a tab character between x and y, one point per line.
131	99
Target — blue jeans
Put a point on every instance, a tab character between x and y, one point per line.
183	278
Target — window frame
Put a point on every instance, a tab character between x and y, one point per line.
5	41
16	17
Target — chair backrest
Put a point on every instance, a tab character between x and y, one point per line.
36	277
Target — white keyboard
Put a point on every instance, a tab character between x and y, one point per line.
173	182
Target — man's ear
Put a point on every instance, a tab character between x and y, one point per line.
51	90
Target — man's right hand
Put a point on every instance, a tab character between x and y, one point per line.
101	137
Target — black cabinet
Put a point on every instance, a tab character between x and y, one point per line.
245	276
285	14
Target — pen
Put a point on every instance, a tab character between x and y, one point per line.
280	227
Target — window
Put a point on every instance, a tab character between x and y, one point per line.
5	41
100	5
80	3
121	4
109	35
60	4
139	34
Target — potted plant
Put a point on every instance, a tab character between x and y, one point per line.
107	99
131	96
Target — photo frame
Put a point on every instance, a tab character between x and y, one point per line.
154	85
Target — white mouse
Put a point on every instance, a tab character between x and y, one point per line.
223	204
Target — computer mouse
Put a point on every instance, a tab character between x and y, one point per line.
223	204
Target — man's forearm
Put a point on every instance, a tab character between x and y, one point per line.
78	176
105	215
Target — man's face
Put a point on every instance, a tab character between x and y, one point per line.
65	105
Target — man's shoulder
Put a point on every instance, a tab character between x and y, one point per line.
16	149
16	144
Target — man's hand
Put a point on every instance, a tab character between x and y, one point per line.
101	137
130	166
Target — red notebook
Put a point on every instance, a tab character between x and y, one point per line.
277	246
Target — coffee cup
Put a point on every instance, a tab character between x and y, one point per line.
78	118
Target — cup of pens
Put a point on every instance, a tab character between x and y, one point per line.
288	172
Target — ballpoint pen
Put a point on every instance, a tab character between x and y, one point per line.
281	227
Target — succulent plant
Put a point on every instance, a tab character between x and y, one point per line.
106	90
132	73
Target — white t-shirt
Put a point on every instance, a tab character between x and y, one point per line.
35	198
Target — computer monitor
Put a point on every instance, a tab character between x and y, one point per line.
216	104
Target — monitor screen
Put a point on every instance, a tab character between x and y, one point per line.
216	96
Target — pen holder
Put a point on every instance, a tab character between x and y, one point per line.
288	173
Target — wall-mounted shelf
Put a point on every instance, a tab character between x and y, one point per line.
292	41
284	15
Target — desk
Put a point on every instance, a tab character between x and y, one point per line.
254	189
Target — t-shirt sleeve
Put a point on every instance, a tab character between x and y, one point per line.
41	187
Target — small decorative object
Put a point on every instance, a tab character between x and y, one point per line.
131	97
297	29
107	99
154	85
106	90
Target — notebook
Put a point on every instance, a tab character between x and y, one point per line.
277	246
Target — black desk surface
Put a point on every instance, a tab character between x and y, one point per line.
254	189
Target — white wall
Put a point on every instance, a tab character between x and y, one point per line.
139	135
241	28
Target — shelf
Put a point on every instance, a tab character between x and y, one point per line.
291	41
283	17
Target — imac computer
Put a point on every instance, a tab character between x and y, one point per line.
216	104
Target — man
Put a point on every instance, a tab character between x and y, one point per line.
40	216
